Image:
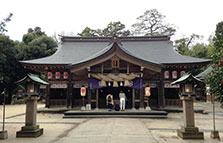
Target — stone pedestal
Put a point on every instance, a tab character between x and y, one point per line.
83	108
30	129
215	135
189	131
141	109
133	109
148	108
3	135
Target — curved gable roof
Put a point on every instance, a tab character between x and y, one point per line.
112	50
159	52
71	52
156	50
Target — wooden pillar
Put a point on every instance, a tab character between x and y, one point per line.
48	96
141	99
69	95
89	95
133	99
69	91
97	99
141	95
89	90
161	98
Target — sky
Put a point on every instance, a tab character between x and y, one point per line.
72	16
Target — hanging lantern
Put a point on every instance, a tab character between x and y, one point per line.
174	74
147	91
83	91
182	73
49	75
65	75
127	83
115	84
166	74
103	83
57	75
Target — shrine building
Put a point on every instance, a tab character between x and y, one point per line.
106	65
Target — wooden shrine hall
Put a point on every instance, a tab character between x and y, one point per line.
109	64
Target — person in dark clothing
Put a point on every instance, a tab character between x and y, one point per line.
109	101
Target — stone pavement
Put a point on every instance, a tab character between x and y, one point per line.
117	130
108	130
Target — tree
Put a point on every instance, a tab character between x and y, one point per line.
210	50
152	23
199	50
35	44
210	47
186	46
215	77
88	32
3	23
183	45
113	28
10	69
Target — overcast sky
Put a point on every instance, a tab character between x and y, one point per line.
56	16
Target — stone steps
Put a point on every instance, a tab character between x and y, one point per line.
115	114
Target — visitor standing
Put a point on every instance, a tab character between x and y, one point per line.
122	98
109	101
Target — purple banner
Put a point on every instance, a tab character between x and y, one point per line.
93	83
137	83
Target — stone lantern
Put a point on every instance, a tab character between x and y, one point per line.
31	83
187	94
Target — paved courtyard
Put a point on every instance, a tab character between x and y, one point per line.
109	130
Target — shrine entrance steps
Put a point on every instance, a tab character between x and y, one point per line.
103	113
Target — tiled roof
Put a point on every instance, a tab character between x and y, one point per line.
151	49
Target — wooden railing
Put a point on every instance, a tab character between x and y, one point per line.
79	102
153	102
173	102
63	102
58	102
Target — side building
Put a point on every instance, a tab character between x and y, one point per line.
109	64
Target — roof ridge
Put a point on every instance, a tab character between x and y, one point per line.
114	38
